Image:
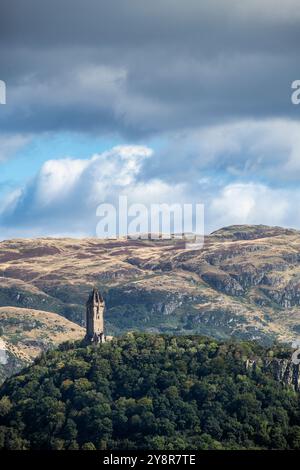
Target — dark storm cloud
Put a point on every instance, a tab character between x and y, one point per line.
137	68
137	22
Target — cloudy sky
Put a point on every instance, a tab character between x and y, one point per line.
163	101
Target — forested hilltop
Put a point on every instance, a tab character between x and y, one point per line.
152	392
244	283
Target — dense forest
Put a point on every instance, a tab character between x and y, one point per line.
150	392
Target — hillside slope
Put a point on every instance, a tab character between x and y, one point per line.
245	282
25	333
150	392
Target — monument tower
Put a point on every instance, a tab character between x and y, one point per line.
94	318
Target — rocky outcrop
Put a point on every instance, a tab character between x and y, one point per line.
282	370
251	232
223	282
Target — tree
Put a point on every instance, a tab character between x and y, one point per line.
88	446
5	406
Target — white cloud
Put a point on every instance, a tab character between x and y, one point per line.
10	200
57	178
10	144
243	173
63	197
254	204
268	149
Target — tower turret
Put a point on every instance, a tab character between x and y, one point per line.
94	318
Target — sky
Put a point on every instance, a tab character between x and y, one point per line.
161	101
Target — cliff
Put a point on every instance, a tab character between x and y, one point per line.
282	370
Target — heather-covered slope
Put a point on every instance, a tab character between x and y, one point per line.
25	333
245	282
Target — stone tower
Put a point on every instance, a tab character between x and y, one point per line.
94	318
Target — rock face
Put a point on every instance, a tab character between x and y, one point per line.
244	282
282	370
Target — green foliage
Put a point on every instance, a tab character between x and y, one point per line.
150	392
5	406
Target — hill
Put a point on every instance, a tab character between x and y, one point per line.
150	392
25	333
245	282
